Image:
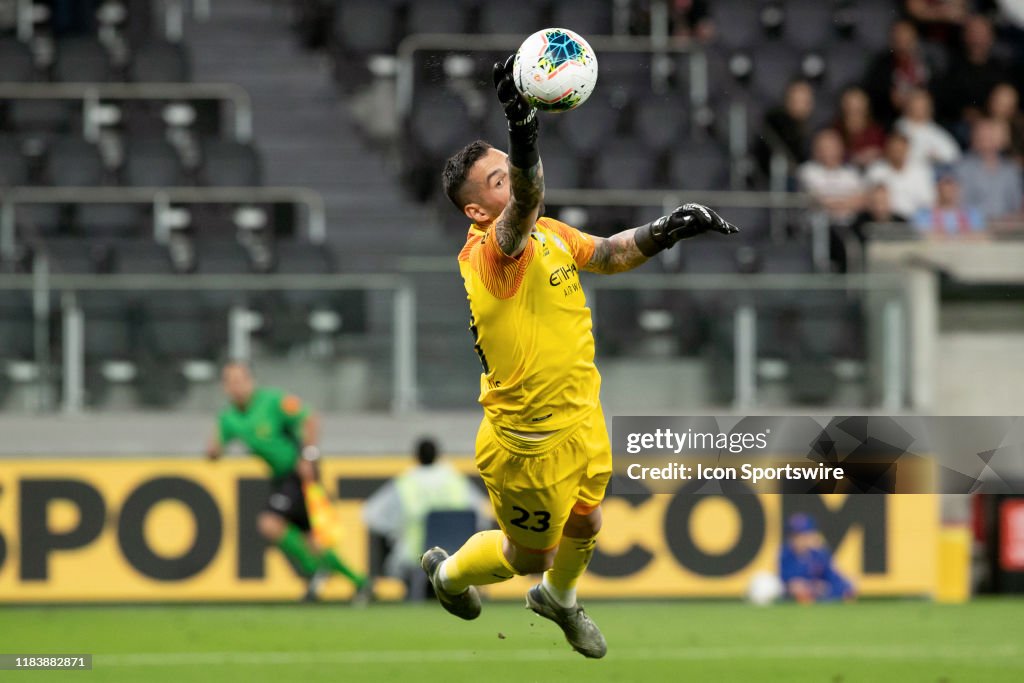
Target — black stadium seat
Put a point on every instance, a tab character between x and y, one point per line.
520	18
365	26
160	62
436	16
585	18
739	22
73	162
809	24
152	162
82	60
661	121
699	166
16	59
227	163
624	164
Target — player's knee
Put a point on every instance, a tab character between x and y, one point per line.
271	526
583	526
525	561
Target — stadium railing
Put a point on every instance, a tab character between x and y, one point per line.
240	324
161	199
888	295
93	95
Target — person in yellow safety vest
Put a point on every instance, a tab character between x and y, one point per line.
398	510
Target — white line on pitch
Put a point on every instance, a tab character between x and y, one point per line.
161	659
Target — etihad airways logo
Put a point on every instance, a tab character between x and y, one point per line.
563	274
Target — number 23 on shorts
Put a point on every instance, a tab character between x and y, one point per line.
538	520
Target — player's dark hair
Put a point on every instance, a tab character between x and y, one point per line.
426	451
456	170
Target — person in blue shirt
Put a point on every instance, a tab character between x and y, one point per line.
805	565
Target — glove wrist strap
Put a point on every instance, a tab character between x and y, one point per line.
647	239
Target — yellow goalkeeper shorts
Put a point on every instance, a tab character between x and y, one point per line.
535	484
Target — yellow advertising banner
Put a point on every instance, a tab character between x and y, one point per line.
177	529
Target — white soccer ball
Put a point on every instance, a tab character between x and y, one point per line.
764	589
555	69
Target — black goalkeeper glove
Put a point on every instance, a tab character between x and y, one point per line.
688	220
521	117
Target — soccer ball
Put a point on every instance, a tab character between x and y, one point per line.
764	589
555	69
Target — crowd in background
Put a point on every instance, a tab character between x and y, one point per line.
932	136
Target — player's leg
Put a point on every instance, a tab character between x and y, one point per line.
328	559
289	538
579	537
530	528
555	597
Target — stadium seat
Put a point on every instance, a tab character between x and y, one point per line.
739	22
775	65
440	124
870	21
845	64
625	164
699	166
625	75
521	18
14	168
73	162
16	58
365	26
111	220
221	257
16	326
44	117
82	60
444	529
152	162
590	128
585	18
436	16
661	121
227	163
561	167
809	24
160	62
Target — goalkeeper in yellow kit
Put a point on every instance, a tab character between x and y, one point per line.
542	448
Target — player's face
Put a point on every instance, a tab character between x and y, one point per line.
489	188
238	384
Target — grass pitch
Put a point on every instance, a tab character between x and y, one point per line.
873	642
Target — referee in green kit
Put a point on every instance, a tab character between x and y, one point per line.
277	428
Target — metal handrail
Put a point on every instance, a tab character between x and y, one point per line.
160	197
43	282
236	95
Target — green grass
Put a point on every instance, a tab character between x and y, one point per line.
873	642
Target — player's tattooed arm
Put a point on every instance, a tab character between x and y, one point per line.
615	254
520	215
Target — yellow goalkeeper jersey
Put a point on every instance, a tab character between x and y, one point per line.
532	328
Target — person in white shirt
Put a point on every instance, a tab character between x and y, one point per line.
911	183
929	142
836	187
398	510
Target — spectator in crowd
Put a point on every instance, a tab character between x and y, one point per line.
937	21
949	217
972	74
834	186
862	137
911	183
806	567
990	181
1004	106
787	128
930	143
398	510
877	209
896	71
